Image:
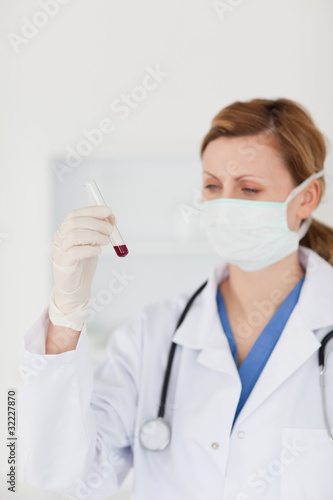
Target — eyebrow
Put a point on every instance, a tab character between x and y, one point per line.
235	178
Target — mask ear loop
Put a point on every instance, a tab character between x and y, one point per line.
306	223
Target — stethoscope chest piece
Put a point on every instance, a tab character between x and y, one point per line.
155	434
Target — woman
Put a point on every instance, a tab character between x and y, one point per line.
243	401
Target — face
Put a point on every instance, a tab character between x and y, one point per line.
252	168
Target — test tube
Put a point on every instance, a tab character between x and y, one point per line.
115	237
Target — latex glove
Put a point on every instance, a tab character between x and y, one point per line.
74	253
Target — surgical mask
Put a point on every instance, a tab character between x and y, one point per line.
252	234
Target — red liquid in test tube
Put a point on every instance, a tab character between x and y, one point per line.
115	237
121	250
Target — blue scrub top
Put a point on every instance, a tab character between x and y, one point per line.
252	366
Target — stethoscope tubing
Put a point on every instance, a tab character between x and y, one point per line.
321	361
172	352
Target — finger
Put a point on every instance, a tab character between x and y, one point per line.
74	255
84	252
92	223
100	212
79	237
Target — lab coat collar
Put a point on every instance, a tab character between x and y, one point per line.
199	328
202	329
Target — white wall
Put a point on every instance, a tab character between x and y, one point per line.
65	79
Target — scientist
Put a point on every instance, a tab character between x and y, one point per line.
223	393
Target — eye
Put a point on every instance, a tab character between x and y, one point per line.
251	190
211	186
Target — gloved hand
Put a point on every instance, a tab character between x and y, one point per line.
74	253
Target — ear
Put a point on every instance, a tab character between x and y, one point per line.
310	199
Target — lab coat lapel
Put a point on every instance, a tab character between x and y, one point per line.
215	386
202	329
295	346
298	341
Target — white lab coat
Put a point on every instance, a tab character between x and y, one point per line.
79	435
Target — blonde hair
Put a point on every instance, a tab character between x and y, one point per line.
298	139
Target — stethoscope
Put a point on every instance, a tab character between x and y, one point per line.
155	433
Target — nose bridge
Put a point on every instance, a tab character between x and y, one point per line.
229	185
229	190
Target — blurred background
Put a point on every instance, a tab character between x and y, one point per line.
123	92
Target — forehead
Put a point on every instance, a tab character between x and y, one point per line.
241	155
